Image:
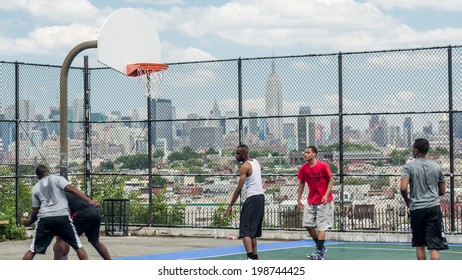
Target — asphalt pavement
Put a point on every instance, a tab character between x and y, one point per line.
122	246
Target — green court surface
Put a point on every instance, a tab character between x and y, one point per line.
346	251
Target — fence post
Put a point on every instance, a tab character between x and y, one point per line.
149	100
451	140
16	92
86	90
340	135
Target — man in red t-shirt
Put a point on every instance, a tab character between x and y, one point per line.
319	213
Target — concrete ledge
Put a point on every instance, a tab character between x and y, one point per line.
273	234
280	234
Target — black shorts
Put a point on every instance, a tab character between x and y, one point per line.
426	228
48	227
88	221
252	216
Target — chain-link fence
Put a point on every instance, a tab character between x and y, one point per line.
173	156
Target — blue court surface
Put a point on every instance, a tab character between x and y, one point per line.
298	250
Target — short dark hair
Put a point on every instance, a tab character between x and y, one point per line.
244	148
41	170
313	148
422	145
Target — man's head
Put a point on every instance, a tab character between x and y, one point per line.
41	171
421	146
242	153
310	153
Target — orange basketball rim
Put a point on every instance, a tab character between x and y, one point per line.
137	69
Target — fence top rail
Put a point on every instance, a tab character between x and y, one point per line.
265	57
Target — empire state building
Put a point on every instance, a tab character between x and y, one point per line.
273	104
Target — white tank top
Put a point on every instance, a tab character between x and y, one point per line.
253	183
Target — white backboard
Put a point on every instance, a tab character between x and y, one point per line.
128	36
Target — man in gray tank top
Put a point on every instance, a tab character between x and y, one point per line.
426	184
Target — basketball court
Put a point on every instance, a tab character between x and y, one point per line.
298	250
128	43
201	248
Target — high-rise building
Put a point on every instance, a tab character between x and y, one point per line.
273	103
26	112
54	116
334	130
76	115
205	137
161	113
407	130
394	135
378	130
35	143
253	122
288	130
306	129
457	122
290	136
231	124
263	128
7	132
135	119
319	134
194	121
217	119
427	130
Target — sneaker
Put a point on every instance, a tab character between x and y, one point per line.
317	255
324	249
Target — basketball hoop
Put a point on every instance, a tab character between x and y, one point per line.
150	76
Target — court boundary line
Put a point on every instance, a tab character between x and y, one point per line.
198	254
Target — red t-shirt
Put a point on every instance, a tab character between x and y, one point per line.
317	177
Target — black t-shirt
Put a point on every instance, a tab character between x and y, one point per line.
78	205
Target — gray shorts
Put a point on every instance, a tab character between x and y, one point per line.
319	216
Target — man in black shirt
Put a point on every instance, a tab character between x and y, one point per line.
87	219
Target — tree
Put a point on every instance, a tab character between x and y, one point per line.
438	151
211	151
164	214
158	153
133	162
185	154
398	157
333	168
217	217
8	206
380	182
176	213
106	165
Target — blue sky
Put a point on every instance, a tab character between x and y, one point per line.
44	31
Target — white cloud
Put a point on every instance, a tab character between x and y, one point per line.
407	59
343	25
313	26
49	40
173	53
405	96
446	5
156	2
53	10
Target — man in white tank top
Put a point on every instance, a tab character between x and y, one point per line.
253	209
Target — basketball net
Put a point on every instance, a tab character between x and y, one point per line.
150	76
151	82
